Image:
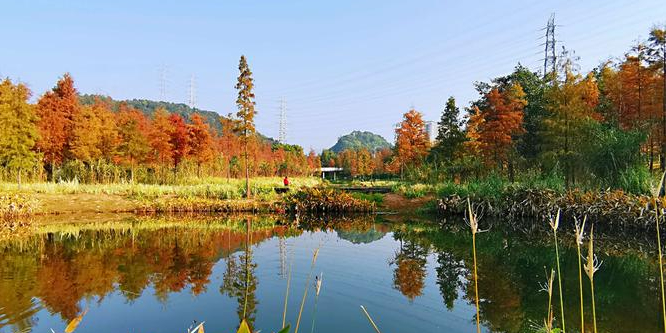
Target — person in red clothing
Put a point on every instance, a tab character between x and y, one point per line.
286	181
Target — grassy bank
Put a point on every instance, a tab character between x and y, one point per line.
210	193
206	195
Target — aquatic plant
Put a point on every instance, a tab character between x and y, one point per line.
372	322
307	287
548	288
661	264
474	226
286	295
13	205
615	209
580	234
554	224
592	266
318	282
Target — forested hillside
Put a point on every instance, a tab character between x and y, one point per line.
358	140
148	108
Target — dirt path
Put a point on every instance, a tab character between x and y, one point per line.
82	203
398	203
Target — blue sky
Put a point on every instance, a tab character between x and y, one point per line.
341	65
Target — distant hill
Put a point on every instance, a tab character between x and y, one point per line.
359	140
148	107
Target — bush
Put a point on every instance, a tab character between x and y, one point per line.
326	200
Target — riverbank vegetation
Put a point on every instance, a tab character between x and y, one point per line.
562	128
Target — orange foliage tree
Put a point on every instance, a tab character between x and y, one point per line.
412	142
56	110
201	142
502	121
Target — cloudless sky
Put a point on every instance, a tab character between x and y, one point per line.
341	65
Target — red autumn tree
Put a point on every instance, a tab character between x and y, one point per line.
56	110
412	142
179	138
503	119
314	162
201	141
133	129
160	138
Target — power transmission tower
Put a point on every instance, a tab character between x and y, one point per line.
192	98
282	134
164	72
549	59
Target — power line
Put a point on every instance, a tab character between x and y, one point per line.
549	59
282	134
191	101
163	82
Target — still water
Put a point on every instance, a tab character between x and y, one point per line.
161	274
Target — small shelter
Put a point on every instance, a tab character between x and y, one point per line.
330	171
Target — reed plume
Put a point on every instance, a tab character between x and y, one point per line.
554	224
474	226
580	235
307	286
548	288
592	265
661	264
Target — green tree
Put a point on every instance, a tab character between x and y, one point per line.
18	128
245	124
657	59
449	134
572	104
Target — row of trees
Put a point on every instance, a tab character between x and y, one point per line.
598	127
606	127
59	137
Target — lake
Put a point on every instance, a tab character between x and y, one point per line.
163	274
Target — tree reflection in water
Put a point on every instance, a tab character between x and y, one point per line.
410	271
59	266
240	282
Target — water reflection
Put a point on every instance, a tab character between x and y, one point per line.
418	273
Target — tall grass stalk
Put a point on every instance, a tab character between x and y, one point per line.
661	265
286	295
548	288
592	266
474	226
580	234
318	282
554	224
307	286
372	322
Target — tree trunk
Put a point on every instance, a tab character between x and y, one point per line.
247	173
18	178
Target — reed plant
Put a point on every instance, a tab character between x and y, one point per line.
580	234
286	295
592	265
548	288
318	282
554	225
307	287
372	322
657	217
474	226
